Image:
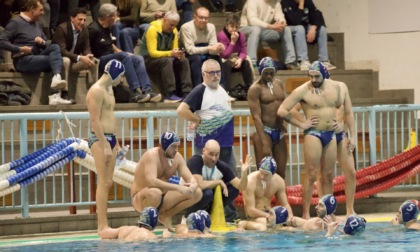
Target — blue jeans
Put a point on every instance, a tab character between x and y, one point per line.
126	36
299	38
135	71
322	44
47	60
186	8
255	34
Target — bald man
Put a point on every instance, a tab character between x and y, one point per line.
210	172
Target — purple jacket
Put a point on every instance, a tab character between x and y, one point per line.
240	46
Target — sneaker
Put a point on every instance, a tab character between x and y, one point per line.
291	66
304	65
328	65
140	98
154	97
65	96
55	99
172	99
57	82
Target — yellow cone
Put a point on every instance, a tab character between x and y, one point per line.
412	140
217	215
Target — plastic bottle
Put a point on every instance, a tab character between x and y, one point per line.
121	156
190	131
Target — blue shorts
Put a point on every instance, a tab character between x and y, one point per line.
340	136
275	134
112	140
326	136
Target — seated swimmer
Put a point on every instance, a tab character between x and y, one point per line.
407	215
142	232
206	219
355	225
191	227
277	217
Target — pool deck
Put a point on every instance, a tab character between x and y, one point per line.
62	225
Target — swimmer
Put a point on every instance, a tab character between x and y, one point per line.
193	226
276	220
355	225
100	102
263	184
407	215
151	186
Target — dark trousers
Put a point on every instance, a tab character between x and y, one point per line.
245	69
207	200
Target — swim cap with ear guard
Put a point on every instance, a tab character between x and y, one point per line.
268	164
167	139
148	218
319	68
206	218
281	214
409	210
266	63
330	203
195	222
114	68
354	225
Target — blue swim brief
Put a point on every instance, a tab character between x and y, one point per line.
340	136
275	134
112	139
325	136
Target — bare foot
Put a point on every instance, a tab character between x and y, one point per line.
167	222
108	233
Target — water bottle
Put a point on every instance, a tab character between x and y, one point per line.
121	156
190	131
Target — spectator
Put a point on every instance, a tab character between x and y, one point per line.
210	172
234	55
126	28
200	42
307	25
187	9
264	20
105	50
163	57
73	39
31	52
151	10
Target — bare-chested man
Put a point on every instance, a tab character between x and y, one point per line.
263	184
319	98
264	99
326	207
151	186
103	144
407	215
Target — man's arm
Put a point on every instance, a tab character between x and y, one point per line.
7	35
208	184
281	196
349	115
152	49
185	112
255	109
243	182
249	201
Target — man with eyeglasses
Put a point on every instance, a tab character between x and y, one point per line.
264	99
209	109
200	42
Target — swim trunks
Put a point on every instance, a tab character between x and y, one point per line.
340	136
111	138
275	134
324	136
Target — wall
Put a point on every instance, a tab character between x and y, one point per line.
395	56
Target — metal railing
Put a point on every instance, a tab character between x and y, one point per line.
382	132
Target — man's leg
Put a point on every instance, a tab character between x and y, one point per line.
174	202
299	38
280	155
195	67
141	73
228	202
258	147
181	68
147	197
116	31
322	41
288	46
328	159
312	150
204	204
253	40
227	156
105	172
346	162
164	68
128	38
227	70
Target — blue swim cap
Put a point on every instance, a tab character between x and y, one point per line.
281	214
318	67
148	218
409	210
206	218
354	225
267	63
168	138
330	203
114	68
268	164
195	222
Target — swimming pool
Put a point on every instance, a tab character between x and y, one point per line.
377	236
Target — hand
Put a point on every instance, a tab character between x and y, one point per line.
238	63
107	152
25	50
39	41
277	26
177	53
246	165
234	37
310	123
87	60
310	36
159	14
332	226
220	47
350	145
224	188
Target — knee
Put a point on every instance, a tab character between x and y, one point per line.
300	30
66	62
55	47
198	194
137	59
125	33
154	195
312	174
195	58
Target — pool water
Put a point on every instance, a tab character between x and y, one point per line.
377	237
